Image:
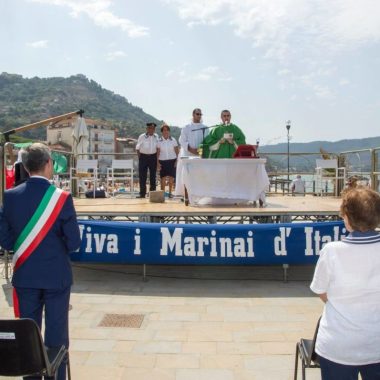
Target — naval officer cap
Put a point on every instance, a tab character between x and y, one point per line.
151	124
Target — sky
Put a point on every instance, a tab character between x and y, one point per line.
313	62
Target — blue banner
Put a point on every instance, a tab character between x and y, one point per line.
154	243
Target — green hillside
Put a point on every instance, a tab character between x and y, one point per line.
27	100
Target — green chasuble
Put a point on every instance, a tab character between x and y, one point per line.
225	150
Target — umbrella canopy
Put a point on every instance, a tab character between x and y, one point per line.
80	138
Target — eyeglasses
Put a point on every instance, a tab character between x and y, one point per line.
198	114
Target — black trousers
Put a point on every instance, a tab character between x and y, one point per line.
147	161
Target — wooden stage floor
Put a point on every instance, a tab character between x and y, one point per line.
320	208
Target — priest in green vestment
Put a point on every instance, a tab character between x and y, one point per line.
223	139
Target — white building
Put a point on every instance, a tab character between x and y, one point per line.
102	138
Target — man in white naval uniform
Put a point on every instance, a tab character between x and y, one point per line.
191	137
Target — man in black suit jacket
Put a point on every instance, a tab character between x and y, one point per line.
38	222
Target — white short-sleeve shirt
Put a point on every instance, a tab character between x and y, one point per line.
167	148
349	272
147	144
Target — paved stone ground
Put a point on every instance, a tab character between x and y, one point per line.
200	323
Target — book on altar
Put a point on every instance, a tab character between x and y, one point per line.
228	136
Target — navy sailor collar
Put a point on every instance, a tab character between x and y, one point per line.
358	237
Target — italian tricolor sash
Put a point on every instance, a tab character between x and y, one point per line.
39	225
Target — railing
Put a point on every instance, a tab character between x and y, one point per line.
362	163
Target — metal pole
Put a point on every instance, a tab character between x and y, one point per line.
288	128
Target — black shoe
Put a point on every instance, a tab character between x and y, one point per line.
140	196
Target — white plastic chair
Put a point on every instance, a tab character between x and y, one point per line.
328	170
85	171
121	171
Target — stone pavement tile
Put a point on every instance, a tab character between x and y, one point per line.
210	335
212	317
222	361
148	308
273	362
147	374
204	374
168	301
92	316
277	348
171	335
164	325
284	317
207	325
239	348
199	348
96	299
297	335
111	308
177	361
91	344
267	374
244	316
276	326
158	347
78	357
179	316
112	333
305	309
98	373
102	359
124	346
132	360
253	336
187	308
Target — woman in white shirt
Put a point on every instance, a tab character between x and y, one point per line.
167	153
347	279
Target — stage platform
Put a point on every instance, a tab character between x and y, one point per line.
278	209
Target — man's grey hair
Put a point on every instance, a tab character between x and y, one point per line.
35	157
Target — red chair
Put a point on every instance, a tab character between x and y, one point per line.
246	151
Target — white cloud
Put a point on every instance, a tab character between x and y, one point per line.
99	12
112	55
38	44
302	37
272	25
283	72
344	82
209	73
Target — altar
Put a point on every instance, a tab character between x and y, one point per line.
224	181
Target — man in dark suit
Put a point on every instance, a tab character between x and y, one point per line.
38	222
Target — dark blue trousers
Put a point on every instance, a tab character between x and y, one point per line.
334	371
147	162
55	303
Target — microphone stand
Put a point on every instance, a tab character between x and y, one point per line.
203	134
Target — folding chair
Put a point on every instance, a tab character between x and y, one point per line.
305	351
85	171
120	171
327	170
23	353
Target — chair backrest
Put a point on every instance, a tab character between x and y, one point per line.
122	164
84	165
21	348
327	164
246	151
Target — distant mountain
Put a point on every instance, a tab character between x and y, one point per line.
27	100
329	146
306	162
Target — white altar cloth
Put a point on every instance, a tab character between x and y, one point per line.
224	181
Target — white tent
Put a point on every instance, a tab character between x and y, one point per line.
81	138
